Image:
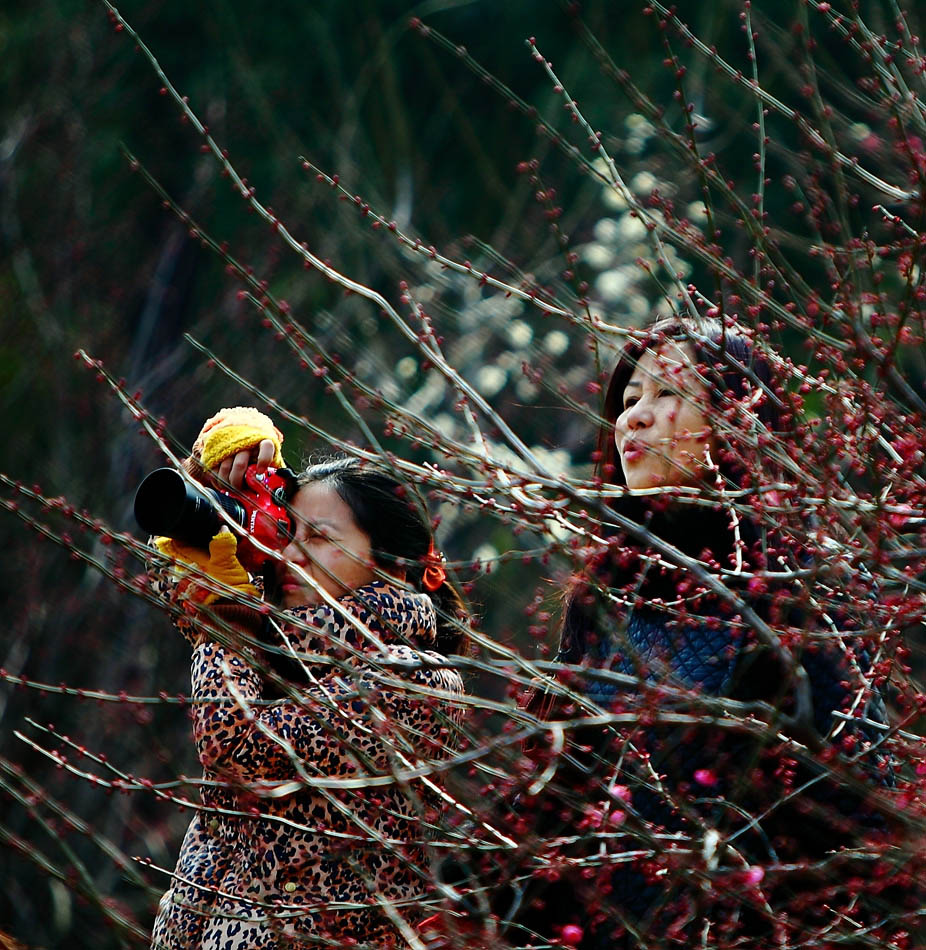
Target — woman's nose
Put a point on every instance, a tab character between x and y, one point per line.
294	552
639	416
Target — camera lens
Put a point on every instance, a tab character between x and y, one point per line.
167	505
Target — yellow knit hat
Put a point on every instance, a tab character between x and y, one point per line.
233	430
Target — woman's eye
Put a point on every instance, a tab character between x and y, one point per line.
629	403
309	537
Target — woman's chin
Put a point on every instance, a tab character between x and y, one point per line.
295	596
642	478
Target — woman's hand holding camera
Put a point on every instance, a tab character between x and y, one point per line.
230	471
228	444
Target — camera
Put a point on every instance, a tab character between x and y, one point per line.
168	505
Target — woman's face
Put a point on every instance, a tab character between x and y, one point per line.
328	546
662	431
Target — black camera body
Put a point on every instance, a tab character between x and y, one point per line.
169	505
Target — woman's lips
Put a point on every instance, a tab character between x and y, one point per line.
632	451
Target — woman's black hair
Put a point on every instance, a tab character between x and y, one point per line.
735	374
399	532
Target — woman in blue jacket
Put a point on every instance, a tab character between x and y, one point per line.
712	806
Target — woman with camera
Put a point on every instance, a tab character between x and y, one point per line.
321	708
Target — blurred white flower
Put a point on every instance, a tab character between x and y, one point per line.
639	130
490	380
423	294
638	306
639	124
612	284
388	389
556	461
605	230
677	265
485	552
428	396
407	367
697	212
492	309
643	182
614	198
597	255
526	390
631	228
445	424
520	333
556	342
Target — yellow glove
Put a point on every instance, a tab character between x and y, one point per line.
220	563
232	430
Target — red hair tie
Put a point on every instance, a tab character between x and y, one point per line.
434	574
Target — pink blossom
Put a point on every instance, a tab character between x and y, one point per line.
572	935
621	793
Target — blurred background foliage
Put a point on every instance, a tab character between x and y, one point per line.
90	257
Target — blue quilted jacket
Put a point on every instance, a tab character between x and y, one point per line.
700	656
704	657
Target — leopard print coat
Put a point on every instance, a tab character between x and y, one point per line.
313	825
